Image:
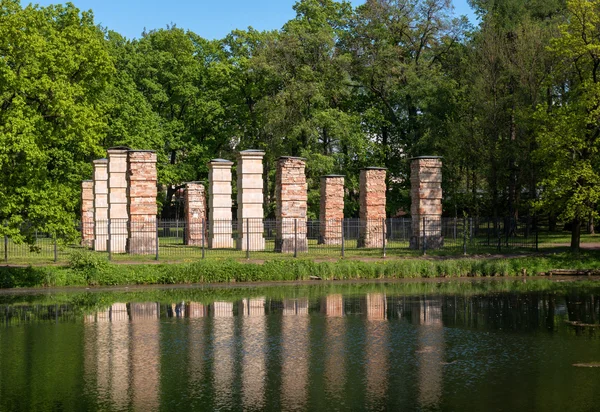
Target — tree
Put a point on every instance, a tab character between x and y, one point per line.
54	68
569	131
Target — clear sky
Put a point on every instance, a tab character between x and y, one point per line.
211	19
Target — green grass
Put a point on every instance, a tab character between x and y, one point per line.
89	269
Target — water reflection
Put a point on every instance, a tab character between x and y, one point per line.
260	353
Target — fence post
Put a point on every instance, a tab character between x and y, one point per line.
343	240
55	249
383	234
157	241
247	238
465	235
488	232
424	238
295	237
537	240
6	248
203	224
108	241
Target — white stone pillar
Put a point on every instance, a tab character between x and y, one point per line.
250	200
117	199
100	204
220	215
87	213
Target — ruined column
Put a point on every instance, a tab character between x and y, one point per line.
141	202
220	216
100	204
426	207
372	207
87	213
291	197
250	200
331	214
195	214
117	199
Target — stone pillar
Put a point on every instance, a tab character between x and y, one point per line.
331	214
141	202
220	216
100	204
372	207
195	214
117	199
250	200
291	196
87	213
426	194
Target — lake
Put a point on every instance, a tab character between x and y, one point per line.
460	345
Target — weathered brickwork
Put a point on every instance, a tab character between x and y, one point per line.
100	207
426	194
291	196
331	213
195	214
372	207
117	199
250	200
141	202
220	216
87	213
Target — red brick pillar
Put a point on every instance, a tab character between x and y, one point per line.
141	202
372	207
100	205
331	214
291	197
195	214
87	213
426	194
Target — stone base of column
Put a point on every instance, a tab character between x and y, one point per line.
256	243
331	232
251	234
287	245
100	243
372	235
220	241
433	242
142	246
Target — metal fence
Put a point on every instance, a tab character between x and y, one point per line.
264	238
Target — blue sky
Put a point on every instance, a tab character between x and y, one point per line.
208	18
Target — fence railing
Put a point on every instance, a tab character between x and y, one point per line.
261	238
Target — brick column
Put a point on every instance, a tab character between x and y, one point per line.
220	216
141	202
331	213
100	204
195	214
426	194
87	213
291	196
250	200
372	207
117	199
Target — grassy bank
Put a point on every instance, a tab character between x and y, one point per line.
89	270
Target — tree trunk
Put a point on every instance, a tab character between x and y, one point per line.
575	235
591	229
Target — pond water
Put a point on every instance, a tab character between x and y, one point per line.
460	345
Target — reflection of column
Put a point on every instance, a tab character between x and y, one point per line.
224	353
119	357
295	353
331	213
430	352
254	360
333	308
376	351
87	213
291	197
100	204
219	191
117	198
194	310
145	356
250	200
372	207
